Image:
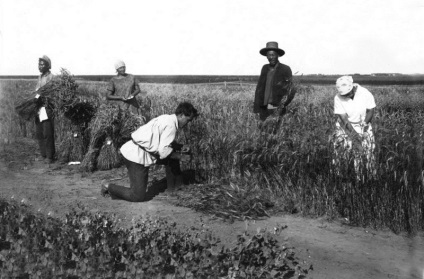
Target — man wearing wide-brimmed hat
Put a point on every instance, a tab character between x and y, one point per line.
44	127
273	84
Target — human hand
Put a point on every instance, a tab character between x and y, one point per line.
366	128
185	158
185	149
365	135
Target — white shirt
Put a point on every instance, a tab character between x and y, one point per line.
355	109
151	140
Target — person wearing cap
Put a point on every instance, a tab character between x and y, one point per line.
153	143
123	89
354	107
273	88
44	126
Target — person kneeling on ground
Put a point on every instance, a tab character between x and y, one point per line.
153	143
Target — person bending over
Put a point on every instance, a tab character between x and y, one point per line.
153	143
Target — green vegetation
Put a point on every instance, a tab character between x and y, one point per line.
246	173
87	245
292	171
243	173
375	79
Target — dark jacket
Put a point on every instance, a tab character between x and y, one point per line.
41	102
280	85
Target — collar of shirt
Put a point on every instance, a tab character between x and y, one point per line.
46	74
275	67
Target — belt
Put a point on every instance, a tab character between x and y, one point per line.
144	149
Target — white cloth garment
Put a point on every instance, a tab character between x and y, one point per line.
151	141
42	114
344	84
43	79
355	109
356	112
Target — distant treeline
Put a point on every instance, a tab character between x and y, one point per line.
380	79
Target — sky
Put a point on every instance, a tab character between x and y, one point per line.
214	37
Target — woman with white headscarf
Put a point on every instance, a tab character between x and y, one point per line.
123	88
354	106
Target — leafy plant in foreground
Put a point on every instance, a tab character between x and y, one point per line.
90	245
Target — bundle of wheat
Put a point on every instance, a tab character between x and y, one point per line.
128	124
64	148
60	93
27	108
104	123
57	95
89	161
72	147
109	156
81	112
77	147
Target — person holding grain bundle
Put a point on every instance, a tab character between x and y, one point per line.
44	126
354	107
274	90
123	89
153	143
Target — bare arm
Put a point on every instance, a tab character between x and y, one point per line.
368	118
136	91
112	97
110	93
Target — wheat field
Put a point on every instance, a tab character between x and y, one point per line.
291	170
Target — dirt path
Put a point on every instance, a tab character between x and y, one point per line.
336	250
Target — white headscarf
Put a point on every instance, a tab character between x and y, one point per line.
119	64
344	84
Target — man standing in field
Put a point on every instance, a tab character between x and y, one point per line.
274	83
354	107
44	120
153	143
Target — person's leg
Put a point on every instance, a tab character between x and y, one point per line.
263	114
22	125
138	175
40	137
174	177
268	119
48	134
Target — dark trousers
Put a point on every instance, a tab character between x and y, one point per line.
139	174
265	113
44	132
